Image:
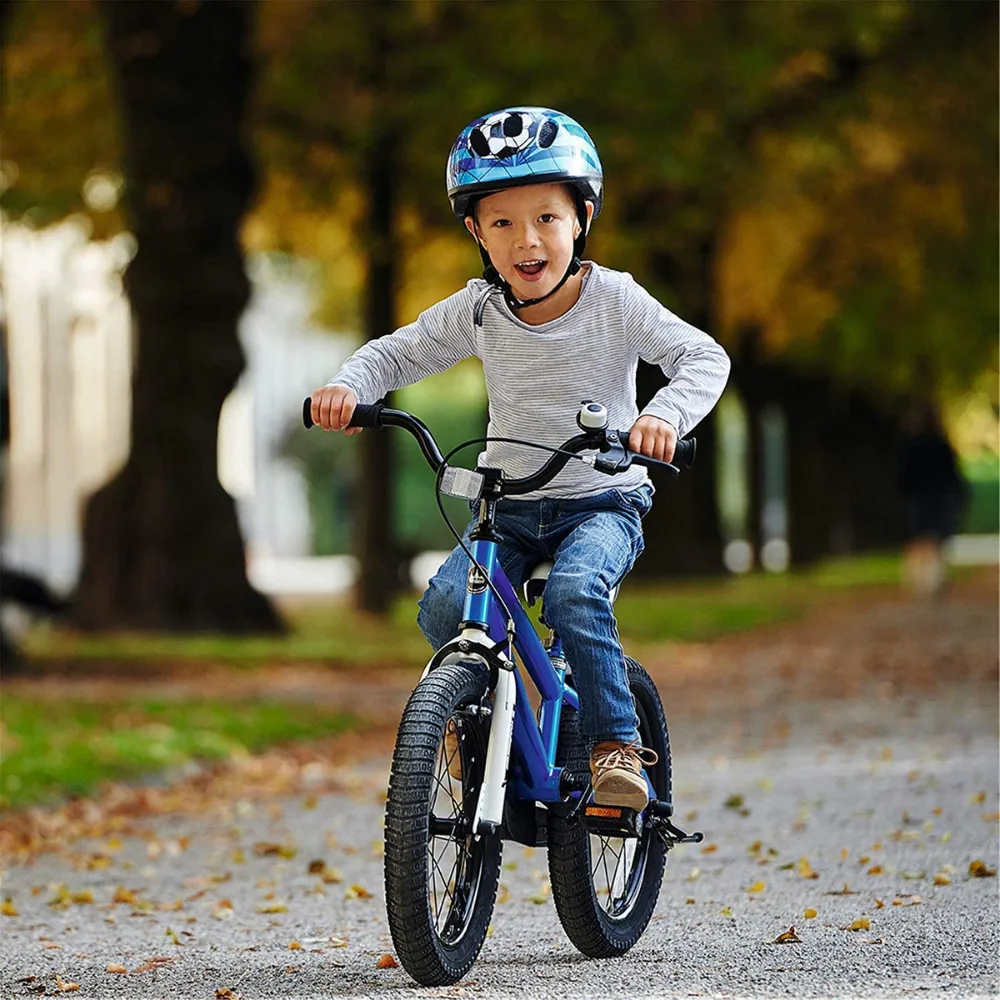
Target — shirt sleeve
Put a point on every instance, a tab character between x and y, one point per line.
439	338
697	367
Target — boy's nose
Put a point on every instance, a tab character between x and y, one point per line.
527	236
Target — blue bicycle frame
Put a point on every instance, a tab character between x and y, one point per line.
536	776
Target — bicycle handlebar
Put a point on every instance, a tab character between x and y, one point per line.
610	443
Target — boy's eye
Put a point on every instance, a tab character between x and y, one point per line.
546	217
502	222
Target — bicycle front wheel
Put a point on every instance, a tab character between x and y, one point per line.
605	888
440	880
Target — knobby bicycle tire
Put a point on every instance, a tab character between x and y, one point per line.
436	951
594	930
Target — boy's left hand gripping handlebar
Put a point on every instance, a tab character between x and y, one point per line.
365	414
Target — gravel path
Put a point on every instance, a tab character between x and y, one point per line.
883	785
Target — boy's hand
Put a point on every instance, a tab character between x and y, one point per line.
653	437
332	408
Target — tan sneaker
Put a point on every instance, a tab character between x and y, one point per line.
451	754
616	774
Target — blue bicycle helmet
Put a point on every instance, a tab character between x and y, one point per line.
518	146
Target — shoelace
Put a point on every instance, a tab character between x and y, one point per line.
624	755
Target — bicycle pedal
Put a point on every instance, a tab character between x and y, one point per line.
611	821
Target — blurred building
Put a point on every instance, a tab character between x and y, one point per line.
69	344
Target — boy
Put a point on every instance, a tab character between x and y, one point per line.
551	330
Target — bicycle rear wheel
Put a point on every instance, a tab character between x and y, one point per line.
605	888
440	881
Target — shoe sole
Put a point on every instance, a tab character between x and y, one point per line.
620	792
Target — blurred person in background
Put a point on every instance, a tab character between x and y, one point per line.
934	492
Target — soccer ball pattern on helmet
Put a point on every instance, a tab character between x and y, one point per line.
503	135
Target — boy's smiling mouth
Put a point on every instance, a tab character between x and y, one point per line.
531	270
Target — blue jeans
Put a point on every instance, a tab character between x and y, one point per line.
593	542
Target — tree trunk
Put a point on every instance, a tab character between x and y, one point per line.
162	545
379	581
683	534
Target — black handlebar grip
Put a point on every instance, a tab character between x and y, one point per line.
307	417
367	415
684	453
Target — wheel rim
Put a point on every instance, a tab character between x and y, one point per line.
618	864
455	858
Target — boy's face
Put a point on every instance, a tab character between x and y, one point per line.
528	233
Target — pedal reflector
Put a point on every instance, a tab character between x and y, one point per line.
603	812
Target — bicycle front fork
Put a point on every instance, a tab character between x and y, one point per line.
489	808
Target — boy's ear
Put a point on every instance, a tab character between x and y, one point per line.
470	224
589	205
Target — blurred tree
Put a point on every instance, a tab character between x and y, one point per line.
813	183
162	546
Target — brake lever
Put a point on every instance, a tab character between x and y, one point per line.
620	457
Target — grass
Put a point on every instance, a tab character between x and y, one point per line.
332	633
52	748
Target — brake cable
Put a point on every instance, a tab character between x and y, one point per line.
444	514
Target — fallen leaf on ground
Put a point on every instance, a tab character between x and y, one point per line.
810	913
846	891
979	869
710	849
387	962
118	969
223	910
726	912
861	924
225	993
337	942
295	946
276	907
66	987
357	892
155	963
503	895
879	904
789	937
265	849
978	799
906	899
941	879
689	901
805	869
875	941
875	870
7	908
757	887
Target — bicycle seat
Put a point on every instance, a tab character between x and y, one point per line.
535	584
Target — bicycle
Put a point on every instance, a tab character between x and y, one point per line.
473	767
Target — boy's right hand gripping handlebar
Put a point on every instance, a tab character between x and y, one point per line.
365	414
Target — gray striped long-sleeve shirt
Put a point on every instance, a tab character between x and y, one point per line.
537	376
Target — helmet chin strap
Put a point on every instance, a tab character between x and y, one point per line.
495	278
